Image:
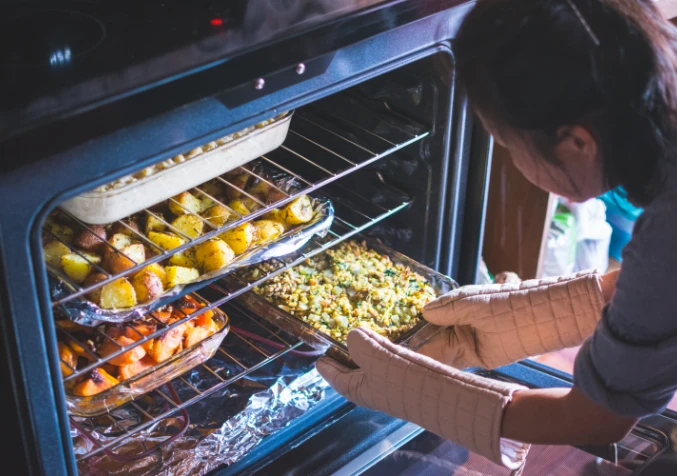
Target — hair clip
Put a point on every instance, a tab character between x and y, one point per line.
583	22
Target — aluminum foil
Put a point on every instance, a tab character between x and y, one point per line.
208	445
87	313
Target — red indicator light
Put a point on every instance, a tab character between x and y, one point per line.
216	22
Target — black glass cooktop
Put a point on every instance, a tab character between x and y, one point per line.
56	55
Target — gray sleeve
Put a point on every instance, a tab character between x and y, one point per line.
629	364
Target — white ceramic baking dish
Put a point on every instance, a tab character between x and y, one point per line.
104	207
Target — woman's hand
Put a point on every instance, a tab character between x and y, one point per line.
493	325
458	406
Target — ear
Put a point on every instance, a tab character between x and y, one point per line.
576	143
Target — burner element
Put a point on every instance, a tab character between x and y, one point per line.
53	38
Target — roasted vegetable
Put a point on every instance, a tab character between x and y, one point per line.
165	241
91	280
78	267
128	371
184	258
167	344
119	241
135	353
299	211
116	262
189	225
126	227
267	230
158	270
63	232
98	381
196	335
147	285
213	188
91	240
217	215
183	203
69	359
53	251
154	224
119	294
180	275
213	254
277	215
239	207
239	181
239	238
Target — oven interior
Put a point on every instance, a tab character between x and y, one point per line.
382	152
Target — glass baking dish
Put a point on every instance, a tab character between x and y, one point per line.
412	339
153	377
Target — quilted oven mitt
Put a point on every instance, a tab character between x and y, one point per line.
461	407
497	324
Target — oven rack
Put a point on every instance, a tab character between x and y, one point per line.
362	215
138	415
339	145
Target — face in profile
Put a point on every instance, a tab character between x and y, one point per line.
573	170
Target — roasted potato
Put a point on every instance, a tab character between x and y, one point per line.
299	211
116	262
277	215
119	241
53	251
180	275
69	359
205	202
91	280
78	267
134	354
239	238
190	225
91	240
98	381
119	294
259	188
131	230
213	254
252	204
154	224
213	188
267	230
183	203
165	241
239	182
158	270
217	215
147	285
239	207
65	233
185	259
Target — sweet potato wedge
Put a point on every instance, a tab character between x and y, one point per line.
129	357
98	381
128	371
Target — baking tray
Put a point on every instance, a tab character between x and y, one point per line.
99	208
153	377
412	339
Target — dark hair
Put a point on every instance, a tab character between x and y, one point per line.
533	66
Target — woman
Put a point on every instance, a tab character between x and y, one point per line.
582	93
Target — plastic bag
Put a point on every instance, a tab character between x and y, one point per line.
560	250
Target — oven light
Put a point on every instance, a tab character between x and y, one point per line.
60	57
216	22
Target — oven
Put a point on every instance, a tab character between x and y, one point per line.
94	93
